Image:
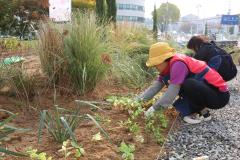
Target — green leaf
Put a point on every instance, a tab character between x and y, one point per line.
101	129
97	137
41	124
65	124
3	150
90	104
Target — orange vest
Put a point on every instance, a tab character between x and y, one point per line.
196	66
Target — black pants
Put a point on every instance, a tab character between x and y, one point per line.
201	95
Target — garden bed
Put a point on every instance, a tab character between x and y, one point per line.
103	149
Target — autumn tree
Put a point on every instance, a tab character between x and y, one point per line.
167	13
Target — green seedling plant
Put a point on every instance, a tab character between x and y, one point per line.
139	138
132	126
101	118
72	148
35	155
97	137
130	123
127	151
137	112
124	103
155	124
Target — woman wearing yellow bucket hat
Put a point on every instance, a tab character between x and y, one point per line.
195	84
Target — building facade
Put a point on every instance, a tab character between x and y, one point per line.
131	10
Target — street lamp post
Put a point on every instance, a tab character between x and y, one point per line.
198	10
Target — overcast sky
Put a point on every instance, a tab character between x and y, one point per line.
209	8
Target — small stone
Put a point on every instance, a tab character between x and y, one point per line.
201	158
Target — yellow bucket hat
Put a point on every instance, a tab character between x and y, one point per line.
158	53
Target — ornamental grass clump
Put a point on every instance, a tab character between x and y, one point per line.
75	55
85	49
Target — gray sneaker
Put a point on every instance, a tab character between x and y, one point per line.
193	119
197	118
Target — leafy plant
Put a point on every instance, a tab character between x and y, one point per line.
60	126
155	124
34	155
5	130
71	147
124	103
127	151
131	125
61	122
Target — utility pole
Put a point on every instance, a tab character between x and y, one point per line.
166	21
198	10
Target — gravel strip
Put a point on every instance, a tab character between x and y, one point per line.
219	139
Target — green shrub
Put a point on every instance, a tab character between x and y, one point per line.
131	39
131	45
128	71
9	44
235	55
22	84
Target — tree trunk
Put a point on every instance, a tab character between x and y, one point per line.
111	10
100	9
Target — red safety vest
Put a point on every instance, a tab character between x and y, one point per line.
196	66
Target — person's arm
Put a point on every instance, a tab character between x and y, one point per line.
151	91
178	73
168	97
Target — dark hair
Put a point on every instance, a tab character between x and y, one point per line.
167	60
196	41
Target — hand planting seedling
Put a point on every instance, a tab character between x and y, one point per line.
127	151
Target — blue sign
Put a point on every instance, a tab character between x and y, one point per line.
230	19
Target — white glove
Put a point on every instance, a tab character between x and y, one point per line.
149	112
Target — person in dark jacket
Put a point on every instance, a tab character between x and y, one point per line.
214	56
